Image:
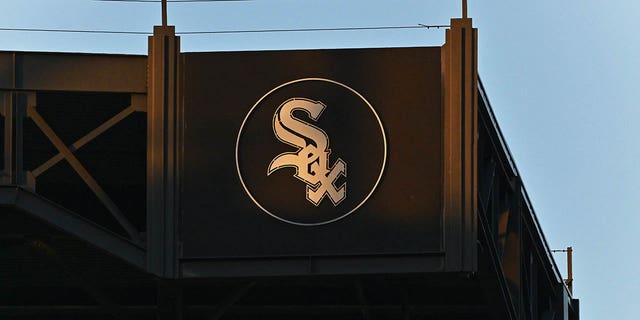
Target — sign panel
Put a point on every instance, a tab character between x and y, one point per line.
311	153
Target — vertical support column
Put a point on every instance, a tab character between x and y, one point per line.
513	256
163	139
7	151
533	286
14	106
460	78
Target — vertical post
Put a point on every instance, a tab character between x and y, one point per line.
464	9
513	259
569	281
8	143
163	139
164	13
459	80
14	106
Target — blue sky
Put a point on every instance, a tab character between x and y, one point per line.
563	78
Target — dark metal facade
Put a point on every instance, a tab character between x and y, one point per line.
90	199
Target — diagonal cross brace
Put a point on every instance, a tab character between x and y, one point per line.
86	139
84	174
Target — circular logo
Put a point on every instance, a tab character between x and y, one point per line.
311	151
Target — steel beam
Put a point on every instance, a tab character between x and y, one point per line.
301	310
496	272
479	311
485	191
6	111
73	224
487	120
315	265
512	259
71	310
13	109
38	71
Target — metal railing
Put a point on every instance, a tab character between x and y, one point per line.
510	160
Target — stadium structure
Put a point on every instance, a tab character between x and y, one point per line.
366	183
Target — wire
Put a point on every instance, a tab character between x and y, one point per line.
419	26
174	1
75	31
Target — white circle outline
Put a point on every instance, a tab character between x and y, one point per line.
384	161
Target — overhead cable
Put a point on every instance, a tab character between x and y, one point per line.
174	1
419	26
75	31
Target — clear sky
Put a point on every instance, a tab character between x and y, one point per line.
563	78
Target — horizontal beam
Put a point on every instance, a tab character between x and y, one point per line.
420	262
39	71
252	310
348	309
73	224
15	311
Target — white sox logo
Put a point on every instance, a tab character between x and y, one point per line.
311	160
291	169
